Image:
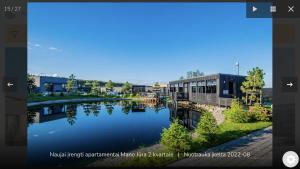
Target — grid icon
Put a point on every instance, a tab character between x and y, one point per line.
272	9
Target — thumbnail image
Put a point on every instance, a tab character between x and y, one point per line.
148	84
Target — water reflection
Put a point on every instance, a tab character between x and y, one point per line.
119	126
49	113
109	107
71	111
41	114
187	117
91	108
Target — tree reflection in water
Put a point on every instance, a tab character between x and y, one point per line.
126	106
91	108
139	106
109	107
40	114
31	114
71	113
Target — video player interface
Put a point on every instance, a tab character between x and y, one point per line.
185	84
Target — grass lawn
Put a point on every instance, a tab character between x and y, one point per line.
31	99
226	132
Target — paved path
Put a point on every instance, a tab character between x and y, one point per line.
258	144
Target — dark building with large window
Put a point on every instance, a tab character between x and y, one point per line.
141	88
217	89
56	83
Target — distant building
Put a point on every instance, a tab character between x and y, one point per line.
161	90
216	89
141	88
115	90
57	83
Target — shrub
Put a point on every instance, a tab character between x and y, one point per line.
259	113
207	126
237	114
176	138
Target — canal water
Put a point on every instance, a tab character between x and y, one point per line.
104	127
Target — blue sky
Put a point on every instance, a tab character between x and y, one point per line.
145	43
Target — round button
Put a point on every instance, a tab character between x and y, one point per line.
290	159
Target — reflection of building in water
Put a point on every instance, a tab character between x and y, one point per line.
141	106
50	113
188	118
156	106
132	106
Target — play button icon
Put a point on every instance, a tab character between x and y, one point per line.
254	9
258	10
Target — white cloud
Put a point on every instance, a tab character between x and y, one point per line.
54	48
37	45
32	46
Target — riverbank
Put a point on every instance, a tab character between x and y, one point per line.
57	99
40	98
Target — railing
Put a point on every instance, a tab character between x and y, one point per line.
179	96
225	102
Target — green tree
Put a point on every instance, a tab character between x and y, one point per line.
95	89
252	86
189	74
156	85
207	126
126	87
198	73
236	113
109	85
71	84
31	86
176	138
181	78
259	113
87	86
193	74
